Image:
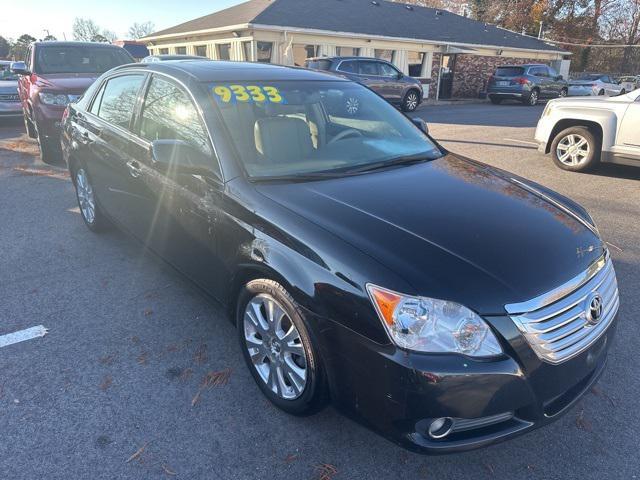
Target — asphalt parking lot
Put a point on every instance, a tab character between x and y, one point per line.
140	376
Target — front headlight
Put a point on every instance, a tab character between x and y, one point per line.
55	99
433	326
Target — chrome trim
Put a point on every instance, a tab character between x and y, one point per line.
563	290
560	330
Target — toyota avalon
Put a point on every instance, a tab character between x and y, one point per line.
446	304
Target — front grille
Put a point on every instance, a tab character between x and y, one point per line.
561	330
9	97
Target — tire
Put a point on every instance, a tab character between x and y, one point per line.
532	99
50	152
28	126
623	92
601	93
411	101
294	394
580	162
495	100
90	211
563	93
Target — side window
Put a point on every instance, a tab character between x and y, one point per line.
118	99
348	66
169	114
552	72
95	106
368	68
605	79
388	71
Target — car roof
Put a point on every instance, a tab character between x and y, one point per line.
524	65
221	71
177	57
74	44
352	57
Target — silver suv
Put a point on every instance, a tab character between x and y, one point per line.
526	83
379	75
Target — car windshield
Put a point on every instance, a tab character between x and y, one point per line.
6	74
79	59
292	128
509	71
589	77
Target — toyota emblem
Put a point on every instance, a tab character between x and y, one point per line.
594	309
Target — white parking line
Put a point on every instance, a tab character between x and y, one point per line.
22	335
521	141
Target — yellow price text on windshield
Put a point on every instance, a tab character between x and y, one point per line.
247	94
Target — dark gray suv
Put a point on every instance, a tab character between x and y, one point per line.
526	83
379	75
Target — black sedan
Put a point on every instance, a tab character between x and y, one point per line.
443	303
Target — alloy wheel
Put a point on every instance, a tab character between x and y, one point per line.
412	101
275	347
86	199
533	98
573	150
563	93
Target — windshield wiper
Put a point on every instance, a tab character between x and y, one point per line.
397	161
299	177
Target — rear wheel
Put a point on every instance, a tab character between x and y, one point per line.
623	92
576	149
89	209
601	93
564	92
533	98
410	101
278	349
495	100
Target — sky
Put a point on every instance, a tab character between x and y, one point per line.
36	16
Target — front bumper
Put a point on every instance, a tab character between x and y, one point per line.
48	121
10	109
398	393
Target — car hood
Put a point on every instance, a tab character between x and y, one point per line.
75	83
452	228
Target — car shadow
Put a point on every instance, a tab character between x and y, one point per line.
617	171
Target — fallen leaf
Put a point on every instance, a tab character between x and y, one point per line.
290	458
185	375
200	356
168	470
213	379
137	453
142	358
147	312
196	399
601	393
106	383
326	471
582	423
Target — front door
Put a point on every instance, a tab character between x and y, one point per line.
184	208
393	87
629	134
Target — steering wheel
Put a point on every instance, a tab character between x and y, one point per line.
349	132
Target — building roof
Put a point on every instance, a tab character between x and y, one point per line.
364	17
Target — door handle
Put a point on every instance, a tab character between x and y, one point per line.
134	168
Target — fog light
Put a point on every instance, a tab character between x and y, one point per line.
440	427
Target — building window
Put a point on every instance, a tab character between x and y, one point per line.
388	55
246	49
416	62
163	51
347	51
181	50
201	50
224	51
264	52
302	52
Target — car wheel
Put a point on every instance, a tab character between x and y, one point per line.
410	101
278	349
91	213
623	92
601	93
50	153
563	93
533	98
576	149
495	100
28	126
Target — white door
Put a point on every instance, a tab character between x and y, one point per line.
629	134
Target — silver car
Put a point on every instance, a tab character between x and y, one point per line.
9	100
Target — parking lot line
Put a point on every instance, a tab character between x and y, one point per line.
22	335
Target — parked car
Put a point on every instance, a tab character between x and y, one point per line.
164	58
379	75
629	83
9	100
437	300
595	84
526	83
54	75
580	133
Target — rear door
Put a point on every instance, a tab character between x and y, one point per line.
182	209
541	80
104	134
349	68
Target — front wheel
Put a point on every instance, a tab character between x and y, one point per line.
278	349
410	101
533	98
576	149
495	100
89	210
563	93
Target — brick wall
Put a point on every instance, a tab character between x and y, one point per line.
435	69
472	72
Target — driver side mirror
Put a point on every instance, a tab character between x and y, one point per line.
20	68
179	157
421	124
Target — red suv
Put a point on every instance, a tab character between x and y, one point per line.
55	74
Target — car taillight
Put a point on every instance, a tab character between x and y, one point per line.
521	81
65	114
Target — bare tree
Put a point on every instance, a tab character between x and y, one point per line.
86	30
139	30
